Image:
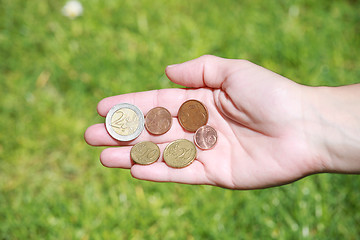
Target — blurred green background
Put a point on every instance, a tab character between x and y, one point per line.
54	70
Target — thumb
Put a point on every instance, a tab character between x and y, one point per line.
205	71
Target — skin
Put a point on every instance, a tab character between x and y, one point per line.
271	130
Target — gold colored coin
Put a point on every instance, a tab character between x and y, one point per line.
192	115
158	121
179	153
145	153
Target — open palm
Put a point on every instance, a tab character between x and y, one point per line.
257	114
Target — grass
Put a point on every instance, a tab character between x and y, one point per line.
53	71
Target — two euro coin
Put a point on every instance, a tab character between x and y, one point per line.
124	122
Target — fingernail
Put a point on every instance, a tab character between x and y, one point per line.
173	65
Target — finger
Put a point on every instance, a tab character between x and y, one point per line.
171	99
119	157
160	172
96	135
116	157
205	71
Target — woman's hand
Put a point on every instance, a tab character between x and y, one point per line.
265	136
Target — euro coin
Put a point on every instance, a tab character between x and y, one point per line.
179	153
205	137
145	153
158	121
192	115
124	122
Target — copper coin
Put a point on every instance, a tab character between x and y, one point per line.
145	153
205	137
179	153
158	121
192	115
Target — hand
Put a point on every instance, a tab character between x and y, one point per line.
258	115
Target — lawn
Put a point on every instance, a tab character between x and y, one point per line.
54	70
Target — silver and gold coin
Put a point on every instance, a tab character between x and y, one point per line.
145	153
179	153
124	122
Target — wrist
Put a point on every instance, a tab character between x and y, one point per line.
332	125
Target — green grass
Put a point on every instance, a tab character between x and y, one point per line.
53	71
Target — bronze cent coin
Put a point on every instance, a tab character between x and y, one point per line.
179	153
145	153
192	115
205	137
158	121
